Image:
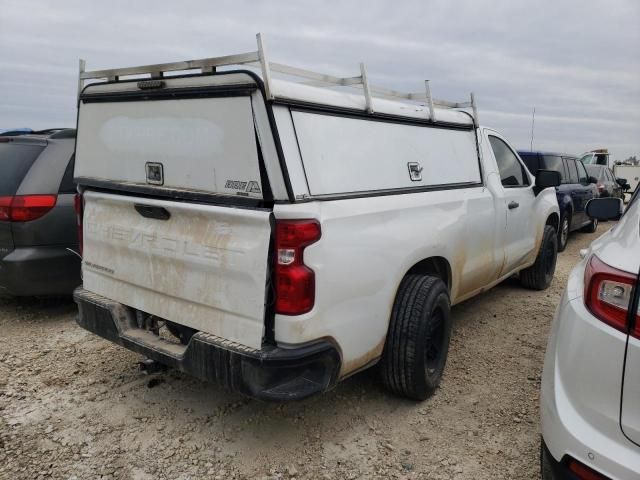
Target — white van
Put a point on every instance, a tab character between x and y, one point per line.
288	235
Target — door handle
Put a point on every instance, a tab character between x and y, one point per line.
513	205
151	211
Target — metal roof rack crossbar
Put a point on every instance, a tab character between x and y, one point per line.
259	59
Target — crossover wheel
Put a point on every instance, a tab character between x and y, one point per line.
417	344
539	275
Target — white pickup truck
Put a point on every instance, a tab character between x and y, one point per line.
277	237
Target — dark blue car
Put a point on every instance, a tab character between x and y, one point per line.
576	190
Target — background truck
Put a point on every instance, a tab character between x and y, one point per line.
631	173
277	237
599	156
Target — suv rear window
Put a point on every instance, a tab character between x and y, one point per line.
15	161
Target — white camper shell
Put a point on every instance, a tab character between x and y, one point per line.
274	226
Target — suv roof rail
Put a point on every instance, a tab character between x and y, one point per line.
259	59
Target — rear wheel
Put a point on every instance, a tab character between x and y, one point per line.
539	275
591	227
563	231
417	342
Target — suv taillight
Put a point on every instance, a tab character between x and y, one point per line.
607	295
24	208
295	284
79	208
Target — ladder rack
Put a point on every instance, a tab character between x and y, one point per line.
259	59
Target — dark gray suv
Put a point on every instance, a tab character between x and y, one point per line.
38	233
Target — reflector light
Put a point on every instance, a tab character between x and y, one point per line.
294	281
583	472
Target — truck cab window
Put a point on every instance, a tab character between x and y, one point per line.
512	172
588	159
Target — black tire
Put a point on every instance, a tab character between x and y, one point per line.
563	231
591	227
417	344
539	275
546	469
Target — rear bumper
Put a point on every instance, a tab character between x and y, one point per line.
39	271
272	373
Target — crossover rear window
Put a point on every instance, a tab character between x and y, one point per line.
15	161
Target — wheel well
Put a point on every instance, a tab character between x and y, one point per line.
554	221
436	266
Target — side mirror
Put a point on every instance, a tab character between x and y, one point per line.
593	180
609	208
548	178
622	182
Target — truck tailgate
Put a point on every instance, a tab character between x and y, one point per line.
199	265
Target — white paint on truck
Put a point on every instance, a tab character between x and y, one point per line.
351	155
205	265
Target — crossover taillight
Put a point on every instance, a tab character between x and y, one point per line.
295	285
607	294
79	208
24	208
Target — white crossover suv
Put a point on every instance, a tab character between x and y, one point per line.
590	401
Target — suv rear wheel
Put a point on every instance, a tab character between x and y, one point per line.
591	227
417	343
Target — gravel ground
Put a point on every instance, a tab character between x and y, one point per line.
74	406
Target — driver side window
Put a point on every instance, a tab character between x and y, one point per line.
512	172
582	174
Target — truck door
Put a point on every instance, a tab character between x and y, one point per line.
520	235
588	189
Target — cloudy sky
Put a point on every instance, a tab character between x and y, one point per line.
576	61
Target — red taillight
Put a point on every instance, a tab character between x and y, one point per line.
583	472
79	208
294	282
607	294
24	208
